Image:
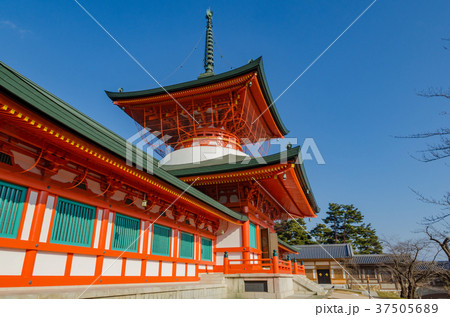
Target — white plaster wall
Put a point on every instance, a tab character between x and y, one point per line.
97	227
112	266
64	176
133	267
94	186
202	154
11	261
29	213
149	247
47	218
50	264
83	265
166	269
219	258
109	230
25	161
231	238
195	247
141	237
190	270
152	268
209	267
202	267
118	195
181	269
172	234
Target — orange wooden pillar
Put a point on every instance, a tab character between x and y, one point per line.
144	248
258	237
275	262
246	240
295	267
30	255
175	251
225	263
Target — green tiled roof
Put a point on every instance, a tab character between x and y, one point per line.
287	246
291	154
256	65
50	106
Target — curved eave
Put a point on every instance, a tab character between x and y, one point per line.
256	65
283	245
301	173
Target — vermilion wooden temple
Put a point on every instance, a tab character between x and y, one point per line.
75	211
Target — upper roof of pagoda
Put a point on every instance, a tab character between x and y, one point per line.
208	85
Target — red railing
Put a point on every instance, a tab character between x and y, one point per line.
273	265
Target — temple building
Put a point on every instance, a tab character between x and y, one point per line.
79	205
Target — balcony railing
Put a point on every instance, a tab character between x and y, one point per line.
273	265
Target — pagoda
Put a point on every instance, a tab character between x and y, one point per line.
207	123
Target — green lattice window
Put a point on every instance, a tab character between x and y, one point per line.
206	249
161	240
73	223
186	245
126	234
253	236
12	198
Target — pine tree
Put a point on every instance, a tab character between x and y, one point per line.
322	234
344	224
293	232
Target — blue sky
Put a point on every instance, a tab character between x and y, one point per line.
353	101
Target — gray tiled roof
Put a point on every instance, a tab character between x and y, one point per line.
323	251
370	258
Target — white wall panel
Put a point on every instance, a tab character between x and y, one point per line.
231	238
50	264
152	268
29	213
133	267
98	226
181	269
112	266
219	258
149	246
109	230
47	218
190	270
141	237
83	265
11	261
166	269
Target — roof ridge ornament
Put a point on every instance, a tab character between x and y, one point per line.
208	62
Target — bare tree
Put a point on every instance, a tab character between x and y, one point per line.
440	237
436	226
408	265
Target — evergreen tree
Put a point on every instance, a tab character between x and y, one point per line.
322	234
366	240
293	232
344	224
